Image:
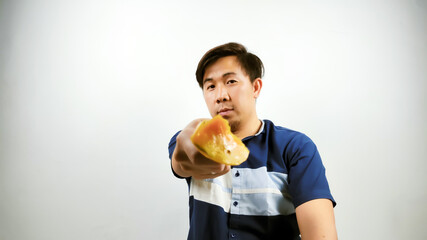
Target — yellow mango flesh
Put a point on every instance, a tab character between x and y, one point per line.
214	139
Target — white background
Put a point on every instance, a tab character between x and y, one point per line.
92	91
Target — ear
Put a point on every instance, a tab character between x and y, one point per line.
257	85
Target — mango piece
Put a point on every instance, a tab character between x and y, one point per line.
214	139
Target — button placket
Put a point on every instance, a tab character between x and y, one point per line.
235	197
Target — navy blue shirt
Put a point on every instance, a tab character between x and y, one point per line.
257	199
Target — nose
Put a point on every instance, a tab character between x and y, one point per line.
222	95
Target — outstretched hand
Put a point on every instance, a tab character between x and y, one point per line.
188	161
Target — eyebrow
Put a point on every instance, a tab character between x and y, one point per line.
223	76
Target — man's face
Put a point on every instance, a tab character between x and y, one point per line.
229	92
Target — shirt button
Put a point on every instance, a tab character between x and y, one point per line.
237	174
235	203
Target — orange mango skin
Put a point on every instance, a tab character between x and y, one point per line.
214	139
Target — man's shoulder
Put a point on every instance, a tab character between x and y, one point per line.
270	127
285	135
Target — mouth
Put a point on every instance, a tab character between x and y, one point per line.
225	111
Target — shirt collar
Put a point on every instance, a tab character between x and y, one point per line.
261	128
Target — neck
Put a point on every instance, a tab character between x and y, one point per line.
248	128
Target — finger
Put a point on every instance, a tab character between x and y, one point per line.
208	176
193	124
213	173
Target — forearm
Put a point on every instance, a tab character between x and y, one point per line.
177	167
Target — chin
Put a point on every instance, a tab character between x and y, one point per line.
234	125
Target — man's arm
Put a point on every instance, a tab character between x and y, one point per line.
316	220
187	161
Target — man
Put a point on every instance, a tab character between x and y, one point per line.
280	192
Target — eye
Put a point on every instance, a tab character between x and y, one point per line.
231	81
210	86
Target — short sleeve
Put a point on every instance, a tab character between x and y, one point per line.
307	177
